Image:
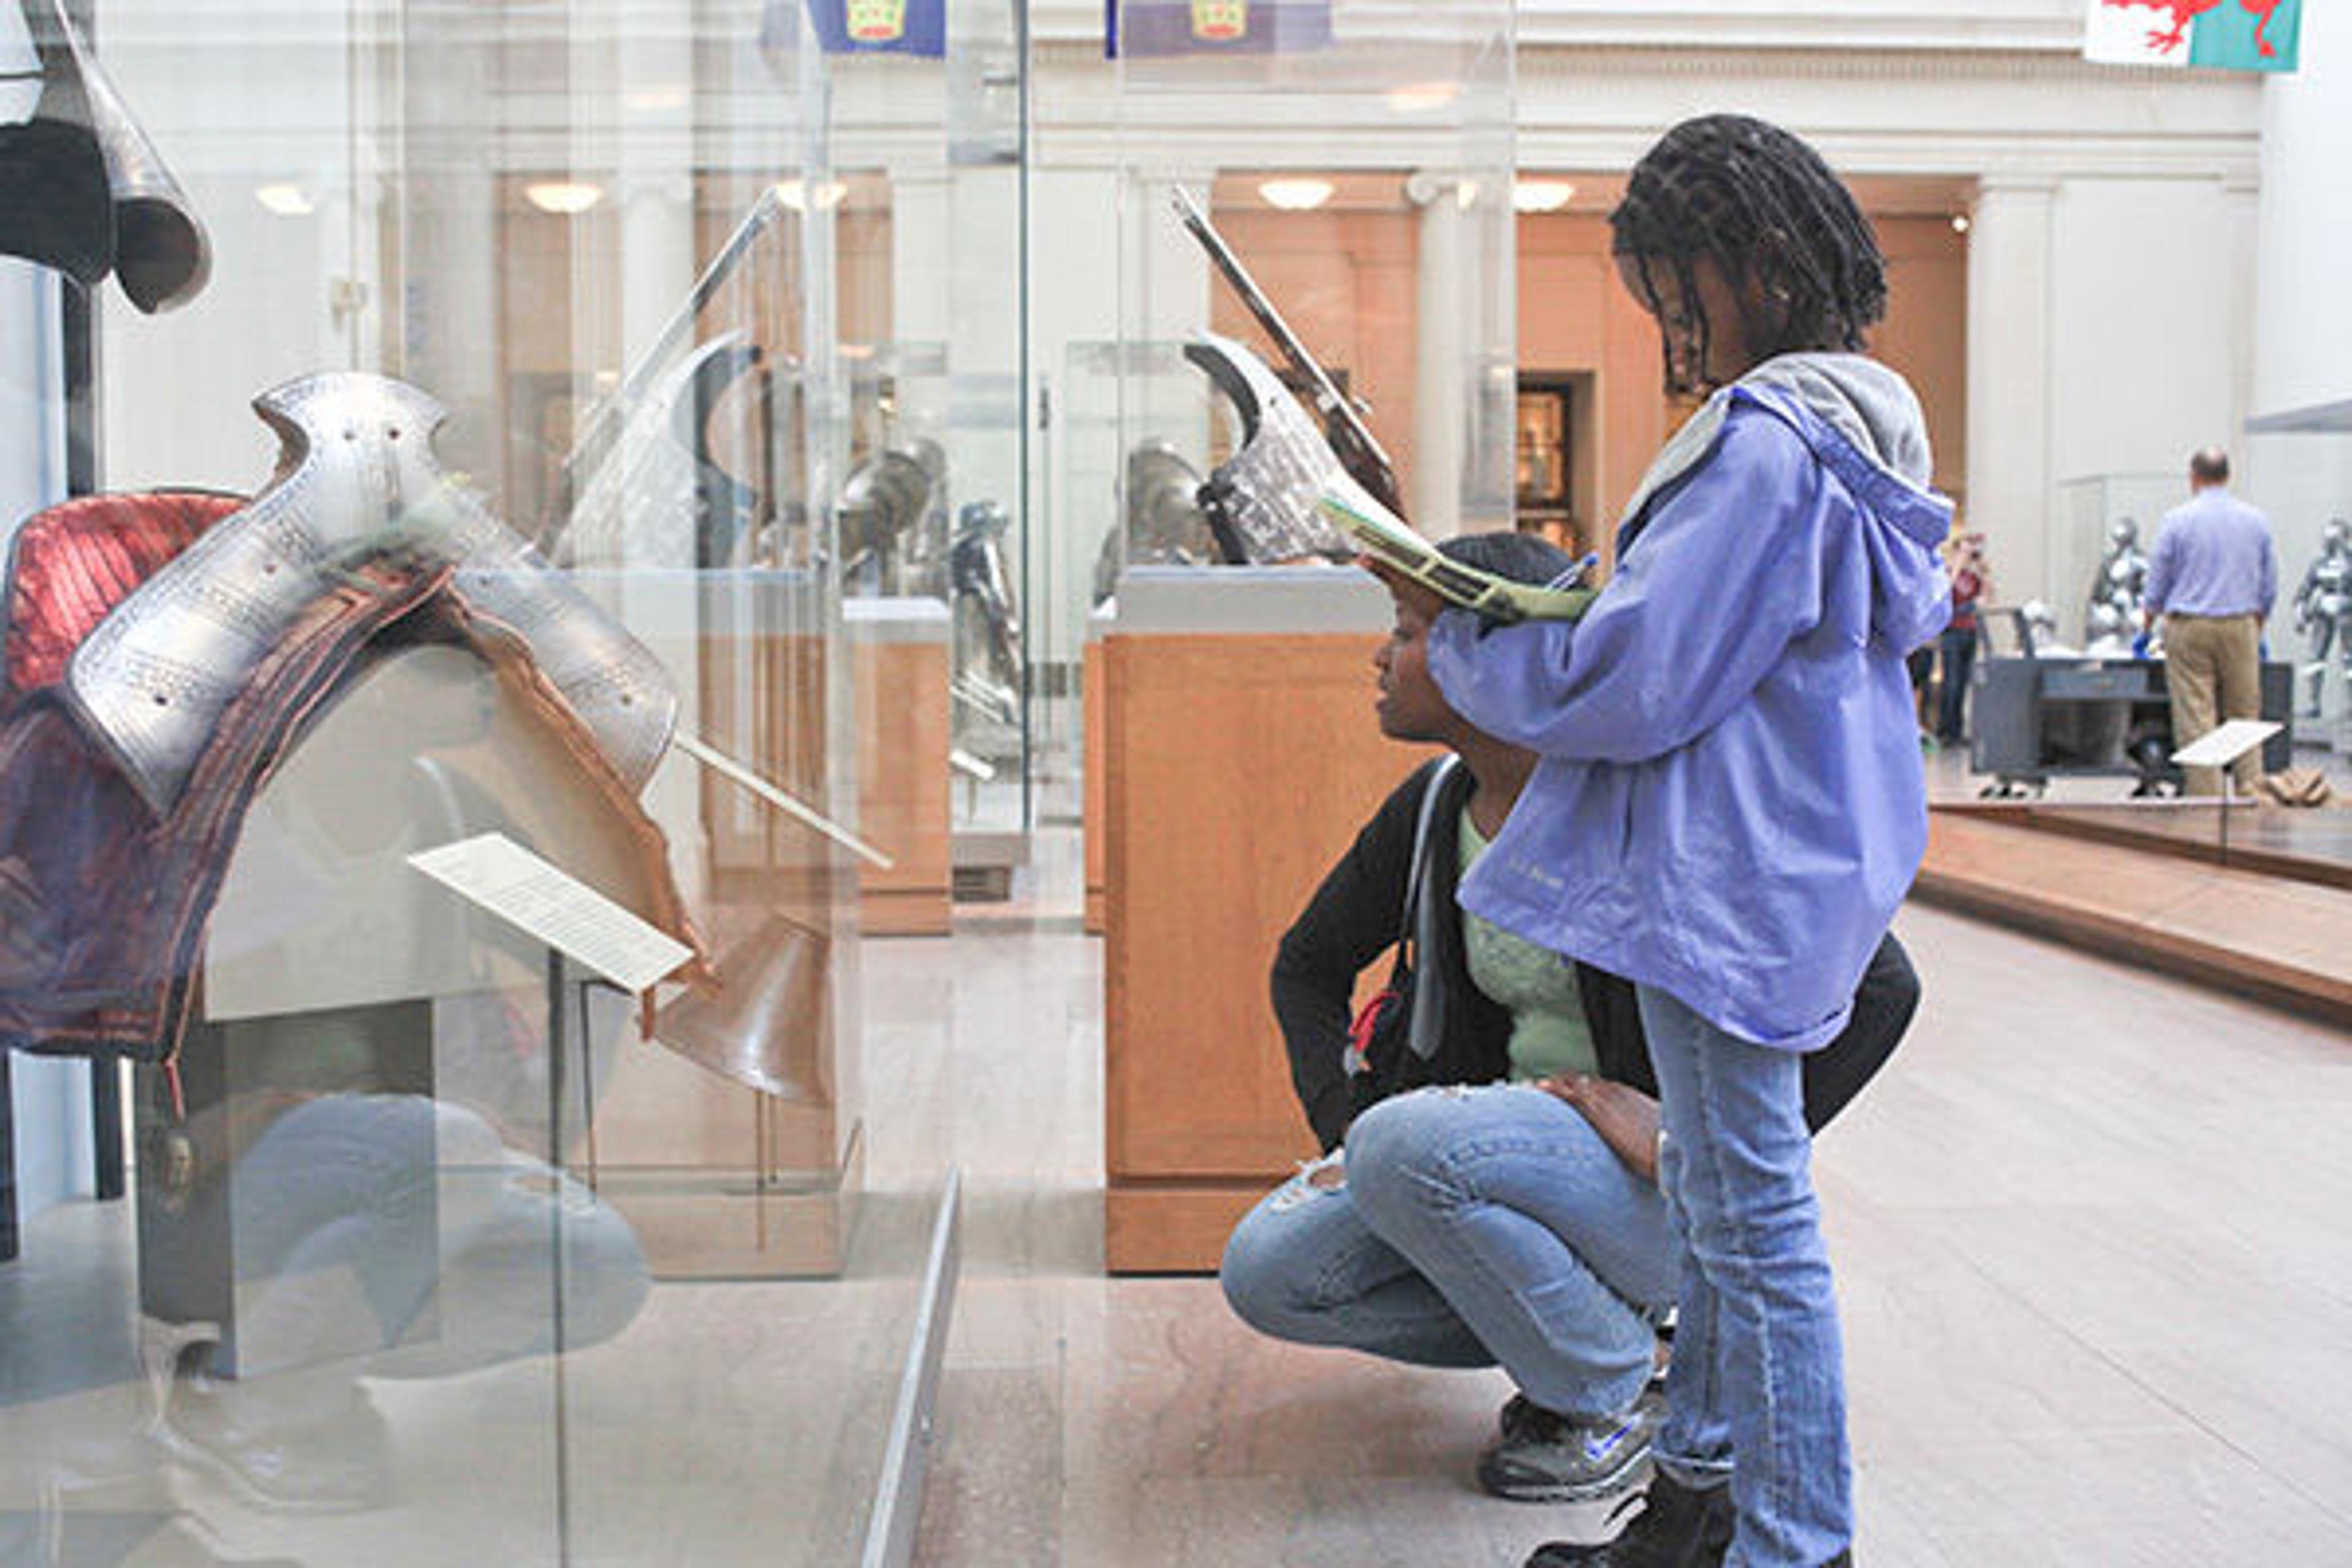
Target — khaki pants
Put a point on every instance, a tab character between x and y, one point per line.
2212	668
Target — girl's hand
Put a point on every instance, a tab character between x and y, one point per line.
1626	1118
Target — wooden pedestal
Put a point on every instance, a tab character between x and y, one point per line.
1092	828
900	669
1237	766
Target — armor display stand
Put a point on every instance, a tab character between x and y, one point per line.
718	1178
332	967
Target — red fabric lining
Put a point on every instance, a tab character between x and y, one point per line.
75	561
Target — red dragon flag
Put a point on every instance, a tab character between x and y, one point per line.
2220	35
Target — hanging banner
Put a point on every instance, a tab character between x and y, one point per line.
1141	27
880	26
2218	35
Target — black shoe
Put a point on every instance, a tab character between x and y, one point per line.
1677	1528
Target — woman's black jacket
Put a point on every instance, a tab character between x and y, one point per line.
1358	912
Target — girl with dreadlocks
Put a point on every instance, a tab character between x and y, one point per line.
1729	804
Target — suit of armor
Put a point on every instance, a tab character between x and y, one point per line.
2323	609
987	629
2117	591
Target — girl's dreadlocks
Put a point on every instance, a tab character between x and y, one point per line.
1763	204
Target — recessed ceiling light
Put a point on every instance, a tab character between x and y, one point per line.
287	200
562	198
1960	222
800	196
1541	195
1423	97
1296	195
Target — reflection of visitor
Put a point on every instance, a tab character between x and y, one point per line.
2212	579
1971	582
1520	1222
333	1200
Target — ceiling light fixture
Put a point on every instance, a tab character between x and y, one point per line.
564	198
800	196
287	200
1296	195
1541	195
1423	97
1960	224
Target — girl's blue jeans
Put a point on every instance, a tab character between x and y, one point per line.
1757	1349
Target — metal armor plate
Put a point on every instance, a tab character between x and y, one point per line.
1267	491
357	481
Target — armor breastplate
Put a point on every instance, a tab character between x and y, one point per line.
1266	493
357	482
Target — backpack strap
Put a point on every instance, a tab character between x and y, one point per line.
1419	933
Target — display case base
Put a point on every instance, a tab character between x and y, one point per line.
1175	1227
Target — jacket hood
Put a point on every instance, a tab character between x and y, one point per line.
1863	422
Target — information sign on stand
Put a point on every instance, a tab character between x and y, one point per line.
2219	748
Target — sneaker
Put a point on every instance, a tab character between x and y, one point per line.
1546	1457
1677	1528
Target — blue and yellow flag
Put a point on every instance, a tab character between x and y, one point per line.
1135	28
881	27
2219	34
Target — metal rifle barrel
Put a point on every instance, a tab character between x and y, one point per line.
1329	398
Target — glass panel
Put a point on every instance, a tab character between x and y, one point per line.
1380	233
437	759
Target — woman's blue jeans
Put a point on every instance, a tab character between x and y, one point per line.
1474	1226
1757	1349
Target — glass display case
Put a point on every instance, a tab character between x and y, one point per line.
443	440
1380	236
1370	345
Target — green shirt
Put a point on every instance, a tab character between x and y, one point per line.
1535	984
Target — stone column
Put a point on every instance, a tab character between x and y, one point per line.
1442	354
2010	483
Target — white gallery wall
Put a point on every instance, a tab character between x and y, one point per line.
2302	337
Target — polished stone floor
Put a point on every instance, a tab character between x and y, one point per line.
2091	1247
2091	1253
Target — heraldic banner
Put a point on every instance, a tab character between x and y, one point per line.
1135	28
881	27
2218	35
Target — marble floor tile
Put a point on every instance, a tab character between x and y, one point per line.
2091	1262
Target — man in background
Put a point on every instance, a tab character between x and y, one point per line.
2212	578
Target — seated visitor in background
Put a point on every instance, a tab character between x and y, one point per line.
1964	560
1390	1244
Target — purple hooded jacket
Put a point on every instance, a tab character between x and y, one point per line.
1729	804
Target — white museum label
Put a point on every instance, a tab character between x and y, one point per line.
2220	748
527	892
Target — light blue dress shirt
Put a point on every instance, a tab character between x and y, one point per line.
2213	557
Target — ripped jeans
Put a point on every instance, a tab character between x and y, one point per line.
1469	1227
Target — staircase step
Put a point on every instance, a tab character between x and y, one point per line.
2274	939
